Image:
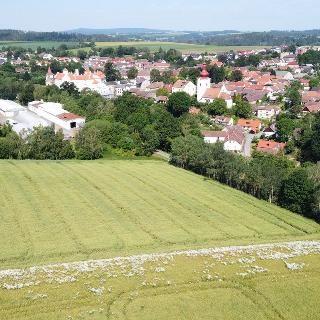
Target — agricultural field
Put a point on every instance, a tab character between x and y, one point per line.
35	44
141	239
182	47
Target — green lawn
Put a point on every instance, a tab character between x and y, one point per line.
58	212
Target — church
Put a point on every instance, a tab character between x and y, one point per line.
207	93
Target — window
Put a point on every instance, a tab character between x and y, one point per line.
73	125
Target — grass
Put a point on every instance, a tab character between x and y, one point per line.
53	212
151	45
183	47
35	44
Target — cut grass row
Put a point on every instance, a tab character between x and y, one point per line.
244	283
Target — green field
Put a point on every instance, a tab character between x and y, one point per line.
35	44
59	212
183	47
151	45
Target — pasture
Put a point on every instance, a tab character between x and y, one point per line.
59	212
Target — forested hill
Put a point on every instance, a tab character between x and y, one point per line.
224	38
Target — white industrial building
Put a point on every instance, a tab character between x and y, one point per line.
10	109
54	113
39	113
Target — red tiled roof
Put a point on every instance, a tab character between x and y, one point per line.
270	146
253	124
68	116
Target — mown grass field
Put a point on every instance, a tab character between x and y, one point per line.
35	44
59	212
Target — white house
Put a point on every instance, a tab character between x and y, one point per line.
233	138
267	112
184	86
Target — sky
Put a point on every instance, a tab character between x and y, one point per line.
204	15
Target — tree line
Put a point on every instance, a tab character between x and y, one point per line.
272	178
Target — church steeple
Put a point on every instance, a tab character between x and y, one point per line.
203	83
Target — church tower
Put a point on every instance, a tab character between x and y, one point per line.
204	82
49	77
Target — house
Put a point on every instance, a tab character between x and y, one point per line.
224	121
286	75
162	99
59	117
214	136
266	112
311	107
252	126
269	131
155	86
270	146
232	138
235	140
311	96
185	86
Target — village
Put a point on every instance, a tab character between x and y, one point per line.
262	86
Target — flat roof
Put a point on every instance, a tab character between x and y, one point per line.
10	106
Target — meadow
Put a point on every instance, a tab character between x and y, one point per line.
158	217
151	45
182	47
33	45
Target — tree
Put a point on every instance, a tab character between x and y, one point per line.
162	92
155	75
71	88
294	98
26	94
217	108
236	75
88	144
179	103
242	108
132	73
44	143
191	74
166	125
112	74
285	127
309	141
314	83
185	150
297	192
217	74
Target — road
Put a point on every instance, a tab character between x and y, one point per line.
247	145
